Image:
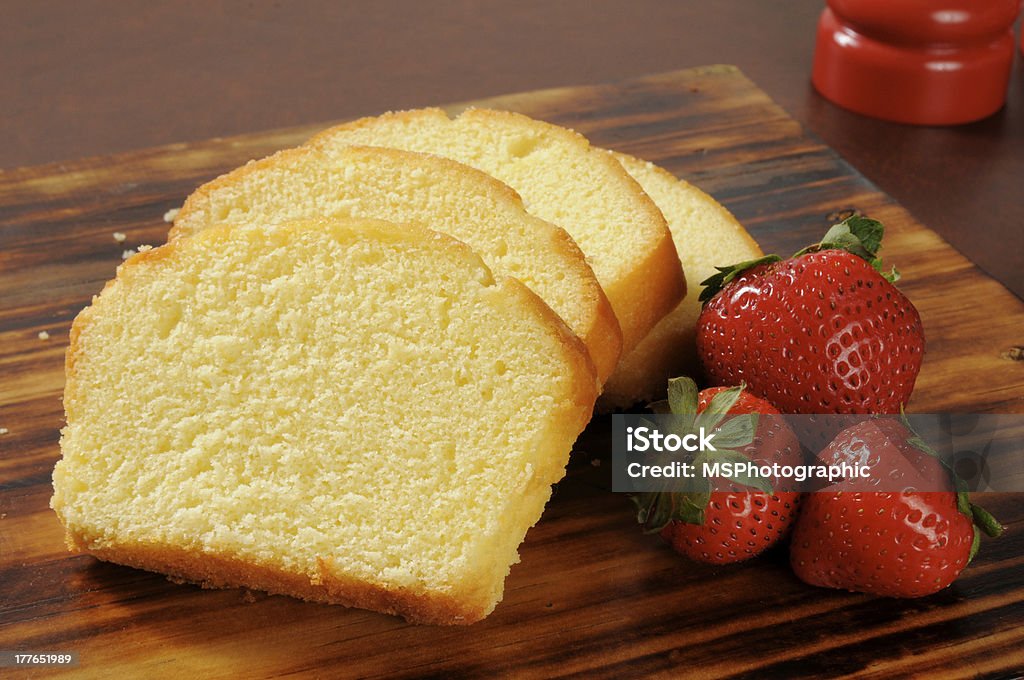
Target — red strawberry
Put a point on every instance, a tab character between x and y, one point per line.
821	332
728	521
895	543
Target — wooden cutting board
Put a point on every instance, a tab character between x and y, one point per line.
592	595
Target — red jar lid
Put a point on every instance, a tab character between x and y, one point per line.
926	62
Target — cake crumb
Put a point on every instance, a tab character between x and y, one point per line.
43	335
248	596
119	236
141	249
171	214
4	430
596	462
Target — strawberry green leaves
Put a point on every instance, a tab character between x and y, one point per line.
860	236
716	282
682	400
655	510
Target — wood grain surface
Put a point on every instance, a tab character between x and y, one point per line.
592	596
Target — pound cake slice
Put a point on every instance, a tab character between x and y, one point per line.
708	236
405	187
563	180
340	411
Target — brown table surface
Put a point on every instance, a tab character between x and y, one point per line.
95	79
592	596
99	77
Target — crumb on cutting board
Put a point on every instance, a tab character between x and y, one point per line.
120	236
171	214
128	253
43	335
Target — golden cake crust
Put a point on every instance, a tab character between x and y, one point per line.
220	571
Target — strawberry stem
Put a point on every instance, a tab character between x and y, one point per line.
984	519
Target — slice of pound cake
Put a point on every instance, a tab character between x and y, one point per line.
708	236
438	193
341	411
563	180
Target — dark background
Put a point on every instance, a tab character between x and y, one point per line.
98	77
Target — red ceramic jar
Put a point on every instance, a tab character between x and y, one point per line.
927	62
